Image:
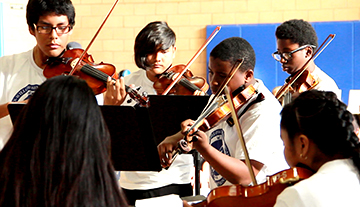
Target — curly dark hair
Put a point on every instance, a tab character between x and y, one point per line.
298	31
233	49
154	37
37	8
323	118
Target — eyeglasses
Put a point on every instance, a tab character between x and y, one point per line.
288	55
47	29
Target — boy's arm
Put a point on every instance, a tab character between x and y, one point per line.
3	110
232	169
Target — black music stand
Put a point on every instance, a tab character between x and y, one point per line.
131	148
167	113
130	130
15	110
131	127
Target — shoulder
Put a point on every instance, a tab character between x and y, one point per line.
15	57
11	62
322	75
270	104
139	74
326	83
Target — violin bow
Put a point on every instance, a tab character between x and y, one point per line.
211	106
93	39
286	87
166	91
240	134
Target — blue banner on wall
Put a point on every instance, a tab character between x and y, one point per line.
340	60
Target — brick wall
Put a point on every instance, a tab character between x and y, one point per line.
188	18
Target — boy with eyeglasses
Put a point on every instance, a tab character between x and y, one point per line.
51	23
296	42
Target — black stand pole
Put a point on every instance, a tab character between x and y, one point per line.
198	162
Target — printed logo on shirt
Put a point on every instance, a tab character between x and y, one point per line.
217	141
25	93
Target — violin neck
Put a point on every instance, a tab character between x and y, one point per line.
188	85
91	71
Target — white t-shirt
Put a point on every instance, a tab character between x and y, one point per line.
177	173
336	183
260	126
19	78
326	83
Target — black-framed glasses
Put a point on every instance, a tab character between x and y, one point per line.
288	55
48	29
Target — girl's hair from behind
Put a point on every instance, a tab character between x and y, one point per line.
58	154
325	120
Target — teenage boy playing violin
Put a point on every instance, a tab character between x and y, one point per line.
318	133
154	53
51	23
259	119
296	42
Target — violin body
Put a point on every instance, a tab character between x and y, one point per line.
298	83
305	82
224	111
262	195
94	74
187	85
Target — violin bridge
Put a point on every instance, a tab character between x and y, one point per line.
74	62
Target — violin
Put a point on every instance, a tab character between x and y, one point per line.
262	195
302	80
187	85
218	109
95	75
305	82
180	74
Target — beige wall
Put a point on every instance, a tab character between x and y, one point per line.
188	18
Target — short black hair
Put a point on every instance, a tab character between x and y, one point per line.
154	37
37	8
298	31
233	49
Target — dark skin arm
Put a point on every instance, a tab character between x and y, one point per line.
232	169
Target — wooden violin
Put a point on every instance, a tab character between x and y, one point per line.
95	75
262	195
181	75
302	80
217	110
187	85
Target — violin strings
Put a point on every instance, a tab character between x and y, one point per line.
187	84
88	69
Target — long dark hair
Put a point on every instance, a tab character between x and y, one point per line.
154	37
324	119
58	154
